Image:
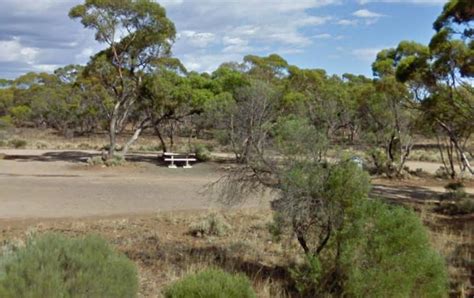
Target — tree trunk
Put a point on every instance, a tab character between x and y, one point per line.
134	137
113	131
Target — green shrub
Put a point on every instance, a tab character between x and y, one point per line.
115	161
394	258
211	225
386	253
53	265
21	113
18	143
95	161
202	153
211	283
222	137
5	122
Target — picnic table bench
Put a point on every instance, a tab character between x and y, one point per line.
179	157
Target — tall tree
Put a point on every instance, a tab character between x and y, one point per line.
138	34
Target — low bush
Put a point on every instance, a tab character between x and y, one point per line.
95	161
454	191
442	173
53	265
84	146
459	207
41	145
18	143
211	283
115	161
202	152
111	162
211	225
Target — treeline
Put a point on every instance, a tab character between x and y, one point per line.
135	85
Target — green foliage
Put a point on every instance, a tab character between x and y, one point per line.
53	265
211	283
384	253
115	161
95	161
5	122
17	143
202	152
20	113
393	256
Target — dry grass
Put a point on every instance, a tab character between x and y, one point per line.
164	250
49	139
453	238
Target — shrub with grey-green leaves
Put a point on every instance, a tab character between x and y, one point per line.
211	283
53	265
202	152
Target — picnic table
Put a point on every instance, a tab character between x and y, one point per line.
179	157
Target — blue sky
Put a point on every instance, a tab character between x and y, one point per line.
337	35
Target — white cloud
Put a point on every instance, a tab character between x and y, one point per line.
323	36
346	22
235	28
197	39
365	13
14	51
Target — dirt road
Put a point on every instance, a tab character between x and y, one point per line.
57	184
53	184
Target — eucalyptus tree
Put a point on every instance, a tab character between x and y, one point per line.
440	76
387	116
137	34
321	98
171	99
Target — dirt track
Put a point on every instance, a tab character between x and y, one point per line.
57	184
37	184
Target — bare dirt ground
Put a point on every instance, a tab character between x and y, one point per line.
59	184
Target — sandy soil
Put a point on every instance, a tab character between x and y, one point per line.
58	184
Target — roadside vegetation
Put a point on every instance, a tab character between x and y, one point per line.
310	139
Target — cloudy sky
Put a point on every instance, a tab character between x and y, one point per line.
337	35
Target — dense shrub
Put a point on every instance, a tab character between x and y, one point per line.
53	265
394	257
18	143
386	254
211	283
202	152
